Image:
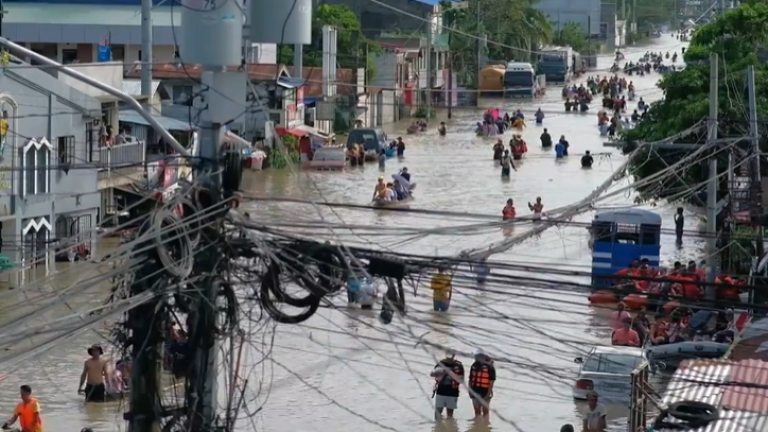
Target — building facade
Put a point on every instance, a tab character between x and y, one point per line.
596	16
48	190
72	31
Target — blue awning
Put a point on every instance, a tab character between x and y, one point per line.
166	122
310	101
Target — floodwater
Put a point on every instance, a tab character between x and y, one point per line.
345	371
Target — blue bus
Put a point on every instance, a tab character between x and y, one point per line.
620	236
519	80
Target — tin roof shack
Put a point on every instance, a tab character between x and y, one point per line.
735	391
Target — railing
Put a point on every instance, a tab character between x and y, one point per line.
638	399
121	155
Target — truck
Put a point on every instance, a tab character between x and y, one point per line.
557	64
519	80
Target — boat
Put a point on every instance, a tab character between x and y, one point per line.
673	354
391	204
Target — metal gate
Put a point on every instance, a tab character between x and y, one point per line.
638	399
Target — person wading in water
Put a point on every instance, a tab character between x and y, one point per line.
679	223
537	208
94	376
506	165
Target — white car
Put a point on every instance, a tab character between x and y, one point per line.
607	370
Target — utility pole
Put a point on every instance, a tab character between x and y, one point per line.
2	16
430	28
145	341
478	45
449	96
711	290
756	194
146	48
212	38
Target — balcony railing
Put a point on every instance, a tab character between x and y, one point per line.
121	162
120	156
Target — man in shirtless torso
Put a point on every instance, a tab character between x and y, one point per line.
380	192
95	373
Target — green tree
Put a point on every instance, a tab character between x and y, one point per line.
572	35
738	37
353	48
514	28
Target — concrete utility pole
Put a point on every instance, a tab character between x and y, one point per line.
756	182
711	291
478	45
212	37
430	28
146	48
298	61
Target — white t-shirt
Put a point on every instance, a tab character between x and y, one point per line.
592	416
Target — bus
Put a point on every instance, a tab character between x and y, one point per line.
519	80
620	236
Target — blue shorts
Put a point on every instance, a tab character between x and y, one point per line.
441	306
505	171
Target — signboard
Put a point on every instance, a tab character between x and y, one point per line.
325	111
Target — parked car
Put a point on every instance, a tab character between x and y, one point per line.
607	370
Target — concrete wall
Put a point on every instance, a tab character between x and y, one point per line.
107	73
386	70
40	106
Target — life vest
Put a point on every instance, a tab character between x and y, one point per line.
508	213
660	329
623	272
446	379
479	377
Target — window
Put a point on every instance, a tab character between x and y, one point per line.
29	172
603	29
612	363
42	169
182	93
66	149
118	53
139	55
68	56
36	162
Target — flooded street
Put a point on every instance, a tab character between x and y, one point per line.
345	371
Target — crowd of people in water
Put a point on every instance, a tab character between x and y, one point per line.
672	296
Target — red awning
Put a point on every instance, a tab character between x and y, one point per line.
298	133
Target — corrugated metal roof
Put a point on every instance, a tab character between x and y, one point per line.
133	87
166	122
742	408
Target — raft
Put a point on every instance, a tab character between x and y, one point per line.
603	297
635	301
391	204
673	354
390	152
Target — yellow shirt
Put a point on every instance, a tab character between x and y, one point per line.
26	415
3	127
441	287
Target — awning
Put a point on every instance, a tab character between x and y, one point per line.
312	131
166	122
310	101
298	133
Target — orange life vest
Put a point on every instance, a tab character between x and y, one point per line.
508	212
479	377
